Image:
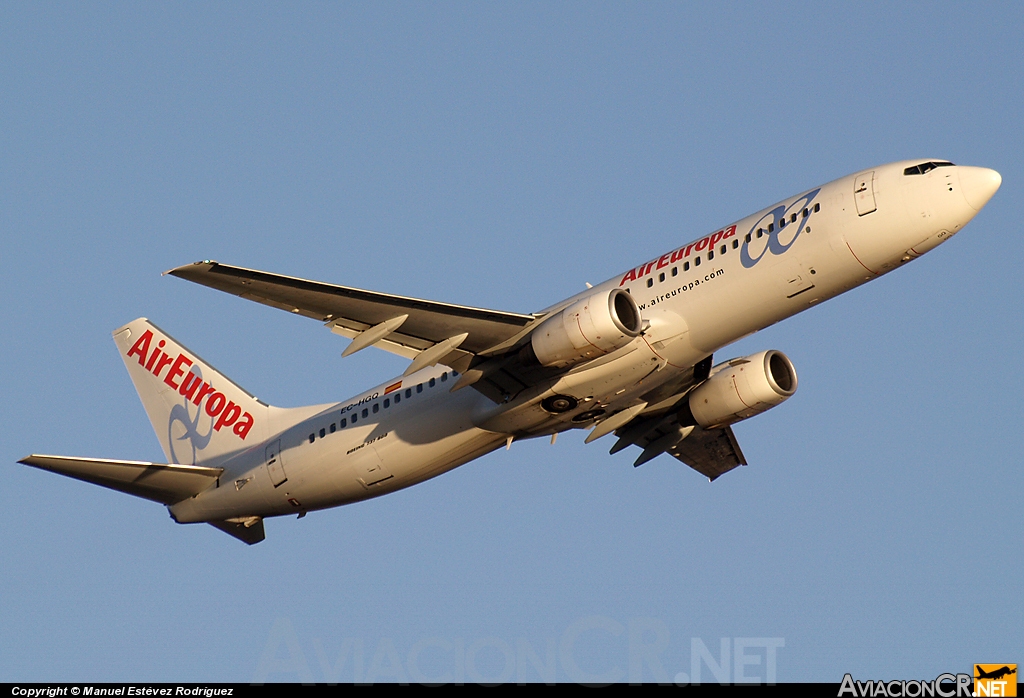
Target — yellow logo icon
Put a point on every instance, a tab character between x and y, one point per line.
995	680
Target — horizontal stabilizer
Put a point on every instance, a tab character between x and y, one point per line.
251	534
158	482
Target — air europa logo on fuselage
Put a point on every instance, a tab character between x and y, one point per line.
707	242
772	224
192	386
795	214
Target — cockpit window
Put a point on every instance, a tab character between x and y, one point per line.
926	167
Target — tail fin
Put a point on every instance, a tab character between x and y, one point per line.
199	415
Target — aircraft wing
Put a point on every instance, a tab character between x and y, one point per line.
158	482
711	452
351	312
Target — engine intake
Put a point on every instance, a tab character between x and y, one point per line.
740	389
587	329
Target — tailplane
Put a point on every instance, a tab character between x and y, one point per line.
200	416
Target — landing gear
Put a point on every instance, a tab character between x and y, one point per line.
557	404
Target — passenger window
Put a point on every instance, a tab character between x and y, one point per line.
366	413
771	228
355	418
312	438
398	398
675	271
792	219
650	282
760	232
419	387
323	433
722	249
711	255
344	423
782	224
387	402
686	266
736	243
696	262
433	382
661	277
332	427
376	408
817	207
444	376
408	392
806	213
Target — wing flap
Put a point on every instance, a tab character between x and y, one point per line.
711	452
356	310
158	482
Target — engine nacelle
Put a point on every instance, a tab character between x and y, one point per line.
587	329
740	389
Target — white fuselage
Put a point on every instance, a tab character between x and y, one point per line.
697	299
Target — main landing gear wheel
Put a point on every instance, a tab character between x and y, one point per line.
556	404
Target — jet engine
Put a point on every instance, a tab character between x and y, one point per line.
740	389
587	329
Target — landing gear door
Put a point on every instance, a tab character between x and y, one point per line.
864	193
275	464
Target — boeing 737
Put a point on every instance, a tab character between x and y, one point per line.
631	356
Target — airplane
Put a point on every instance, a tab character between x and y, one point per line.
631	356
995	674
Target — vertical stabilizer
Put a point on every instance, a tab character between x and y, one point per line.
199	415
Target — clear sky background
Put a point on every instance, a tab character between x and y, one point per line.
502	155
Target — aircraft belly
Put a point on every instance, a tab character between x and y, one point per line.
397	453
414	463
639	370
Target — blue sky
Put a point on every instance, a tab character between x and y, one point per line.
502	155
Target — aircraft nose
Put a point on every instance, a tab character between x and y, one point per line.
978	185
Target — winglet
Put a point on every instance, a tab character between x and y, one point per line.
209	262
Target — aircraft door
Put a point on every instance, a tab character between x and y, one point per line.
275	464
864	193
